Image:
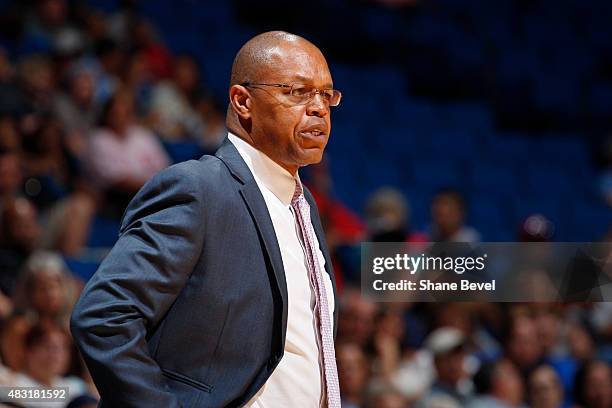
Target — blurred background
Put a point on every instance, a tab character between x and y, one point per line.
461	120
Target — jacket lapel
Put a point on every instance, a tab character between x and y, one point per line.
259	212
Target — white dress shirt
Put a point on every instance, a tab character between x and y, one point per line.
297	381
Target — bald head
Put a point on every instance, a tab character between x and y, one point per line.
291	128
262	51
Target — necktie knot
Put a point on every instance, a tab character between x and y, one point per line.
298	192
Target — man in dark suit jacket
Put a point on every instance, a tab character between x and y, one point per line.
198	303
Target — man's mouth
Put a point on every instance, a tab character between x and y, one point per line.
314	131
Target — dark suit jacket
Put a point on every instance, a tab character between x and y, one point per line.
190	306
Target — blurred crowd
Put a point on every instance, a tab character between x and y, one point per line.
473	355
91	106
451	355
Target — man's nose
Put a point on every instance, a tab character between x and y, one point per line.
317	106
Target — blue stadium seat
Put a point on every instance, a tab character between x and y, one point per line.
590	221
556	93
491	176
470	116
107	6
600	99
551	179
437	172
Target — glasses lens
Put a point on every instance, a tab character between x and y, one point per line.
301	92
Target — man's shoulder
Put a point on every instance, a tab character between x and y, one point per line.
191	183
207	171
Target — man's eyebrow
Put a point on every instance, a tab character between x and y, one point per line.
302	78
305	80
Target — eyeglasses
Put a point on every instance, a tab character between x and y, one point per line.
300	94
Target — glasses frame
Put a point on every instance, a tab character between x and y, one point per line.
313	92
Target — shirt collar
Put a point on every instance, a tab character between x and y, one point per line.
274	177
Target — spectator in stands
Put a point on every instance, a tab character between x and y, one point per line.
49	24
523	345
9	138
580	343
548	325
211	112
11	176
386	340
407	371
19	237
342	225
172	103
111	56
385	396
46	288
388	217
119	22
138	79
558	340
143	40
47	358
77	109
343	228
95	25
43	173
593	385
460	316
45	165
37	83
353	373
106	66
6	306
356	318
122	154
448	212
600	316
499	385
11	179
447	346
545	389
12	340
55	186
6	68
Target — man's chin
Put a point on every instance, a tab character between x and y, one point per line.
312	155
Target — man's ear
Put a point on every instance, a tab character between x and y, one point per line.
240	99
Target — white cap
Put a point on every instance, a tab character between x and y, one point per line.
444	340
